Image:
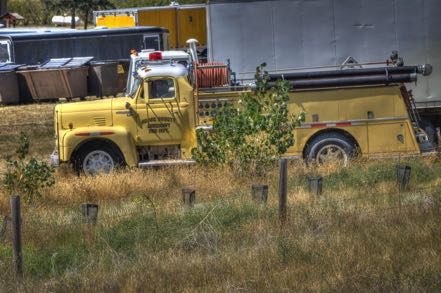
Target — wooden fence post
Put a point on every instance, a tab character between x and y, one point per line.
16	235
403	179
188	196
283	189
403	176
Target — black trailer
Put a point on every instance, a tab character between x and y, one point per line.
103	44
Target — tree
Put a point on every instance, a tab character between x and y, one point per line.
88	6
61	6
143	3
251	136
85	6
33	11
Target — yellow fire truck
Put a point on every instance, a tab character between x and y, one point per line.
353	111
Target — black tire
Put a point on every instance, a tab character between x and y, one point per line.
90	148
429	129
330	140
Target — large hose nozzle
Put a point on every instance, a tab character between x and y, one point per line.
424	69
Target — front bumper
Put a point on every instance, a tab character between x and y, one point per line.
55	159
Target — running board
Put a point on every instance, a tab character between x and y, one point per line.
164	163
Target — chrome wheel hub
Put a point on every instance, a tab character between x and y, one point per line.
332	153
98	162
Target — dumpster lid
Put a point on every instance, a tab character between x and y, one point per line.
9	67
78	61
66	62
55	63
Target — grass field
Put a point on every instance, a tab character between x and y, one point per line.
355	237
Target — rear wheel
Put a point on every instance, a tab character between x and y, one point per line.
430	131
330	147
97	158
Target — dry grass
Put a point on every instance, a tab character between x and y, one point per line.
36	120
353	238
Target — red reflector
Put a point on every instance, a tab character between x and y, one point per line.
318	125
343	124
155	56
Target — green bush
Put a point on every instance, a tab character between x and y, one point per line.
27	177
251	135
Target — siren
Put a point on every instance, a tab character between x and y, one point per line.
155	56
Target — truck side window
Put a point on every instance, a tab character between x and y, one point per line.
161	88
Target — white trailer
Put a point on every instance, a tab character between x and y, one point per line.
289	34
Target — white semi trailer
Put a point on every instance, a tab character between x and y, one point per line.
289	34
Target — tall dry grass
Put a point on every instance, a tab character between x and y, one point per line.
353	238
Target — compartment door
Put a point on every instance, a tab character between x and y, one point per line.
387	136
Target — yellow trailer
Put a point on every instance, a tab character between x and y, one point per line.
183	21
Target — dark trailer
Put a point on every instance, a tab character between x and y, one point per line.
103	44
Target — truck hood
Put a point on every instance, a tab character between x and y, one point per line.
87	106
87	114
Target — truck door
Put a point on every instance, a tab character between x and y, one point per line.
164	116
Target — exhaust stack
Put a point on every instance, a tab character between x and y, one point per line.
192	44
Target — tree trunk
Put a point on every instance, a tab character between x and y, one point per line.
86	19
72	23
3	7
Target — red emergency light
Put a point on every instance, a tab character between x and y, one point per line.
155	56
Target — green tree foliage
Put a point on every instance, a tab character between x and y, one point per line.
63	6
143	3
27	177
40	12
72	6
33	11
254	134
87	7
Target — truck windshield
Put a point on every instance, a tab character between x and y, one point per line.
5	51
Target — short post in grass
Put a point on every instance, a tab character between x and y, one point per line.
259	193
188	196
90	213
283	190
403	176
16	235
315	185
403	179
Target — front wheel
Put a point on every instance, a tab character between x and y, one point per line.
97	159
330	148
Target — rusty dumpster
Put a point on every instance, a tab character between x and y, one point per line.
54	83
102	79
9	93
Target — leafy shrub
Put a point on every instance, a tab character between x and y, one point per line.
251	135
27	177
